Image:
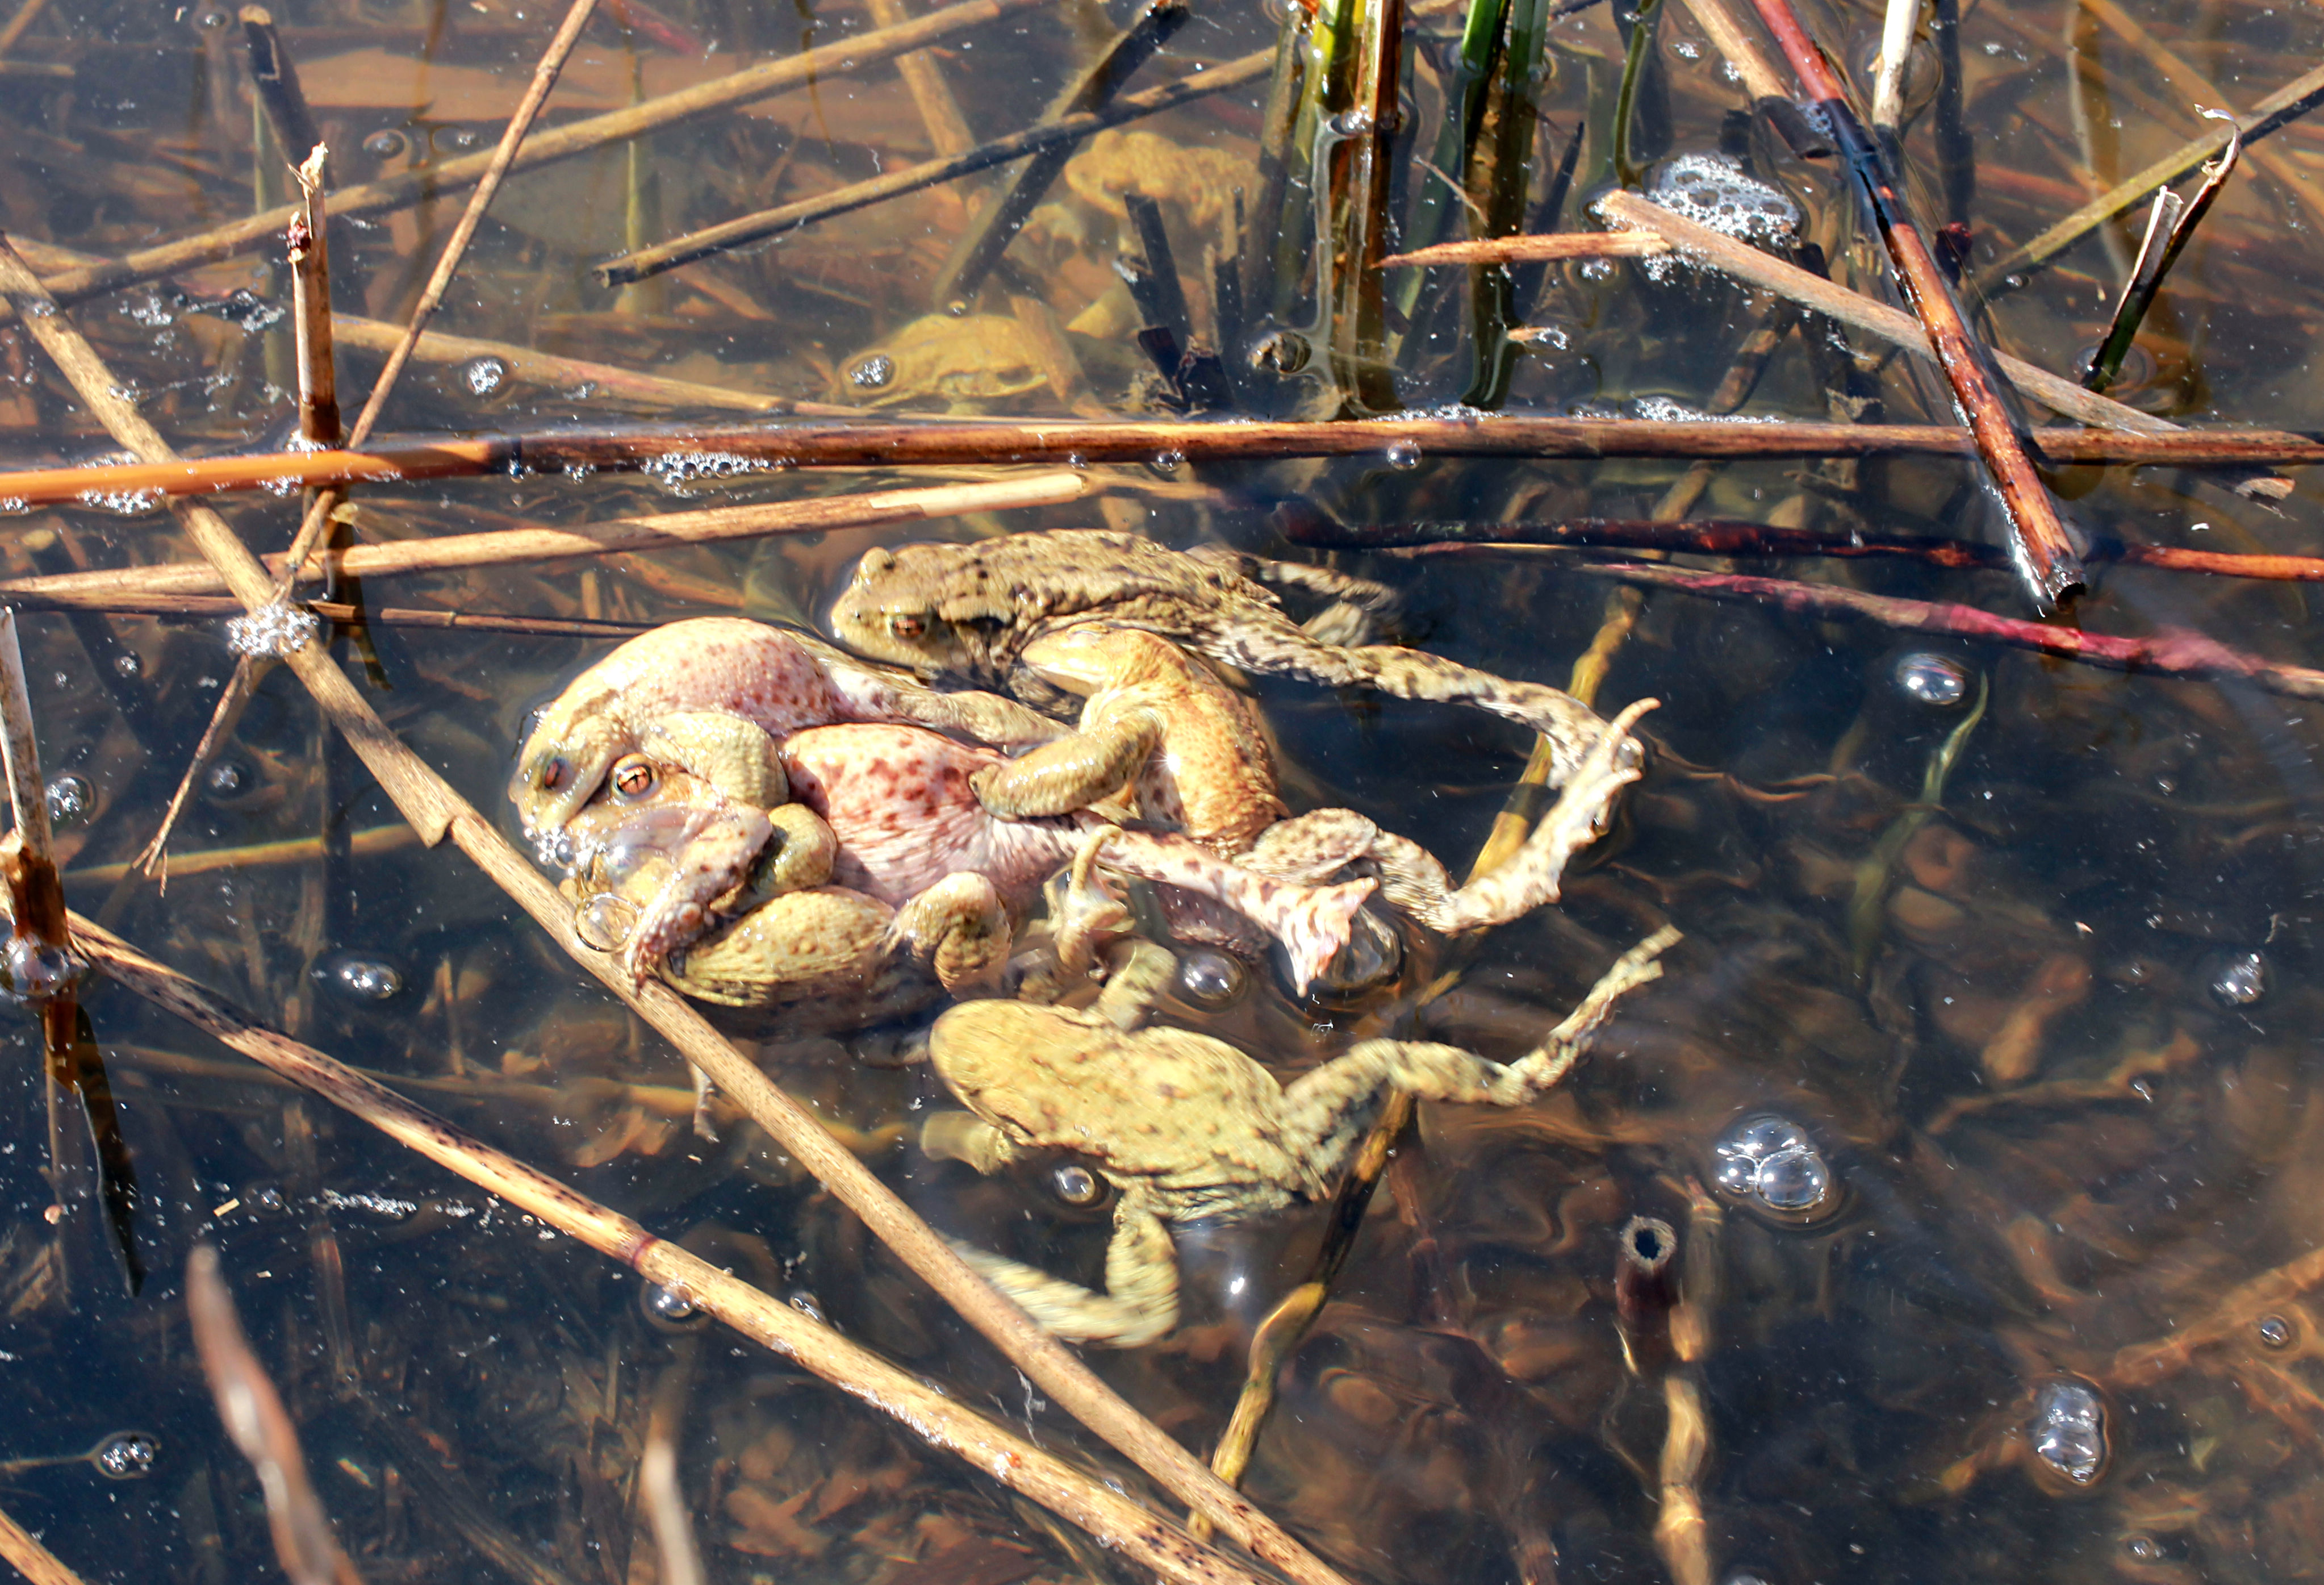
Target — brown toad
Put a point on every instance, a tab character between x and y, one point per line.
971	357
1186	1126
659	849
1163	724
971	610
710	695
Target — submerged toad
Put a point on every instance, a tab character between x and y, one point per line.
1200	181
710	696
957	359
972	611
1186	1126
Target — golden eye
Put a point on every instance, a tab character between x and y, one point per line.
633	778
903	624
554	773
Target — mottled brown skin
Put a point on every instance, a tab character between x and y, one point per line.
711	696
1186	1126
902	805
970	610
957	359
1200	181
768	931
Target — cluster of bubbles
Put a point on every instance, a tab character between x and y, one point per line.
483	375
2239	979
674	471
70	798
271	631
365	980
1770	1163
2069	1431
875	373
122	503
126	1455
1939	682
1713	190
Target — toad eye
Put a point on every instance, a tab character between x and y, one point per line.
633	778
555	774
905	625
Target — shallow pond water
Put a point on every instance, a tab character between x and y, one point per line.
1975	1099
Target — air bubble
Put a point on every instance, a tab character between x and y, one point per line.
70	798
366	979
1352	123
875	373
1209	977
2069	1430
1771	1164
1166	463
606	922
671	1309
674	471
126	1455
2144	1549
386	144
1404	456
483	375
128	663
2240	979
2274	1332
453	139
1939	682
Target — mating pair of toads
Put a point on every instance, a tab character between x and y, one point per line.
765	820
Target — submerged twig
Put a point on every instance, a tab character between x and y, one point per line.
2045	558
995	227
1896	28
276	82
24	1550
437	812
2271	114
310	308
1047	136
261	1427
821	64
940	1420
2169	228
2169	652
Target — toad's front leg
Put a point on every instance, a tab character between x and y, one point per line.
731	753
1074	771
715	861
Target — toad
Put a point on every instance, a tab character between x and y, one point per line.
659	849
710	696
1160	723
972	611
963	359
902	820
1185	1126
1201	181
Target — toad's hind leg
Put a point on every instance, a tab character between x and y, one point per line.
1141	1303
733	754
1415	881
797	856
1324	1111
1075	771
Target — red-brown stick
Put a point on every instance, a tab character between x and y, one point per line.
2045	560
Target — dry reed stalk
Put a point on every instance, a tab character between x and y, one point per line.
2046	562
816	514
2271	114
1888	90
2169	652
310	308
1055	137
1112	1519
437	812
36	1562
261	1428
924	79
2148	442
820	65
1758	74
26	15
256	855
1560	245
203	607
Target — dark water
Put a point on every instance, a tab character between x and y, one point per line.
2038	1049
